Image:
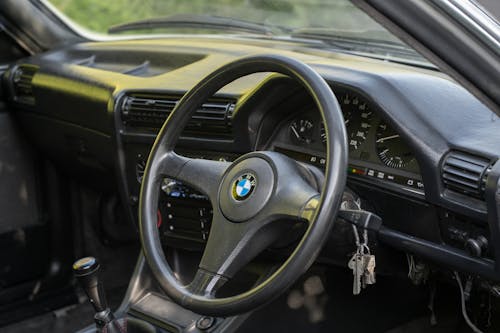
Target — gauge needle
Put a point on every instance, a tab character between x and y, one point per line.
387	138
295	132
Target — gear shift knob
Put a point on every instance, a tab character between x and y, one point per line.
87	273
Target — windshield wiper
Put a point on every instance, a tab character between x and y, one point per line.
193	21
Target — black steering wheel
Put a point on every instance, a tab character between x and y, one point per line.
250	197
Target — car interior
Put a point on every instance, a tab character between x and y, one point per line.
241	181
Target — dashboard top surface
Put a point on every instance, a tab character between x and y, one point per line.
430	96
416	115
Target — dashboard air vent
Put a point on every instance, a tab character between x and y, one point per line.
149	112
465	173
22	84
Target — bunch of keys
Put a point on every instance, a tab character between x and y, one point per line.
362	264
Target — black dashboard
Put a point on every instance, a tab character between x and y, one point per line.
422	150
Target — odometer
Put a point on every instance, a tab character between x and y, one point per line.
391	149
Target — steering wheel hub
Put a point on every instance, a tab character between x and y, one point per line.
246	188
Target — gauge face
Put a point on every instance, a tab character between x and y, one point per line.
301	130
357	117
391	149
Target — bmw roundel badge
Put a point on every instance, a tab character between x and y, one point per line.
244	186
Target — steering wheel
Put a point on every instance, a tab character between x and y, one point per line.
250	196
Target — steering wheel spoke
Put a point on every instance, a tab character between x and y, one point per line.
204	175
230	246
206	283
297	200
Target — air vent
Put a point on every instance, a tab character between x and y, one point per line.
22	84
465	173
149	112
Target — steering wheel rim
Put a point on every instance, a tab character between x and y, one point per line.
322	209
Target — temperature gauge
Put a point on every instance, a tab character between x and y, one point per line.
301	130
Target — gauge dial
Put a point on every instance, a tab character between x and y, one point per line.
357	117
301	130
391	149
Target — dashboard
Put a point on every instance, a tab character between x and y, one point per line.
422	151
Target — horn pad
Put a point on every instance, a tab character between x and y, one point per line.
246	189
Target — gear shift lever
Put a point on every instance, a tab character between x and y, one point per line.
86	271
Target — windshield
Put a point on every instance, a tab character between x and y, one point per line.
337	24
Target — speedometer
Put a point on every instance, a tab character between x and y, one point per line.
391	149
357	117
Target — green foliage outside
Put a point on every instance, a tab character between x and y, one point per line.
99	15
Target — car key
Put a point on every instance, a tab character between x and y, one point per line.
356	264
369	270
368	261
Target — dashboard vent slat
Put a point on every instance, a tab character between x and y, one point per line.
22	84
465	173
148	112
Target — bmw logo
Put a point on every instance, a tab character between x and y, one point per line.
244	186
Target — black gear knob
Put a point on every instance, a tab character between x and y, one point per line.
86	271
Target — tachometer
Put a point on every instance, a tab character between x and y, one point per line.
301	130
357	117
391	149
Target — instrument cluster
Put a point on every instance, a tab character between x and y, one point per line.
376	150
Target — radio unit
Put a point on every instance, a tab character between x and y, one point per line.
184	213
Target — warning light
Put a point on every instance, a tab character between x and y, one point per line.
356	171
